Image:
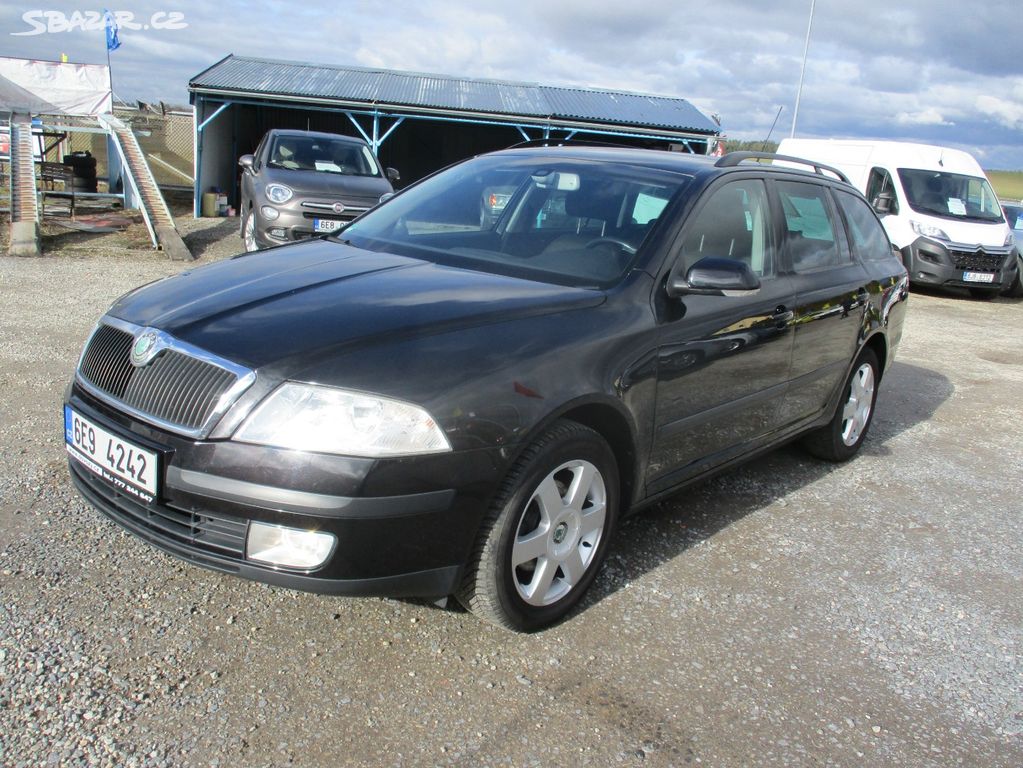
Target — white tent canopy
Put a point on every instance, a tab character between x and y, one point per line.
52	87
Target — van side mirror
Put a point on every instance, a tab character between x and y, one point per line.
713	276
883	203
392	175
246	162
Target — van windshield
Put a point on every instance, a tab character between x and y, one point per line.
950	195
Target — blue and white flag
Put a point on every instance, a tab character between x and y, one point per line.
111	26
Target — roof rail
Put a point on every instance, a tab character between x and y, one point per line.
733	159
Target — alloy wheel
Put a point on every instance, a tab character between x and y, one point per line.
558	533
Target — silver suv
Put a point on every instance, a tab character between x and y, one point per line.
298	184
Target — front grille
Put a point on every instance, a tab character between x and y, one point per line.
979	260
181	388
216	534
348	215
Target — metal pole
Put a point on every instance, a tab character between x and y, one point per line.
802	71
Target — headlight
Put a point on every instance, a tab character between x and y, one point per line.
1010	239
308	417
927	230
278	193
268	213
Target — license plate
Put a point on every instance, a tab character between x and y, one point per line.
978	277
121	463
326	225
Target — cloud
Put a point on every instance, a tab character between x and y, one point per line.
929	116
1008	113
922	70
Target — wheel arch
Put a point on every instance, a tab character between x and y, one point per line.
608	418
878	344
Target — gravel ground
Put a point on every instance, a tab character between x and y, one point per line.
787	613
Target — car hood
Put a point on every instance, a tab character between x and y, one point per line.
287	307
323	184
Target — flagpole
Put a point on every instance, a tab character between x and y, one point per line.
110	77
802	71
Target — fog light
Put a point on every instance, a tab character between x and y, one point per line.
279	232
290	547
268	213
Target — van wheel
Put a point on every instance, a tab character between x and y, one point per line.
841	438
1015	289
540	548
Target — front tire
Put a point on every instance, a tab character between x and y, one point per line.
1015	289
249	231
542	544
841	438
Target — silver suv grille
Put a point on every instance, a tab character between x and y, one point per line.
182	389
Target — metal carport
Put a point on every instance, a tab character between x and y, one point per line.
415	122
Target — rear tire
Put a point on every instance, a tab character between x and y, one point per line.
547	533
841	438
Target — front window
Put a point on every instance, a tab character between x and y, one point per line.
571	222
950	195
316	153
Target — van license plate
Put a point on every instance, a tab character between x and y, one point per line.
978	277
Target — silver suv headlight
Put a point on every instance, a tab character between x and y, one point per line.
278	193
309	417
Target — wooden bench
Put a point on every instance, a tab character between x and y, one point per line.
53	174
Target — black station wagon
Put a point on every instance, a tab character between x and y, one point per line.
432	402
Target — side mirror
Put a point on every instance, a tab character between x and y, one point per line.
883	203
713	276
246	162
392	175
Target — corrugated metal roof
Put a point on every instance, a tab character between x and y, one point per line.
240	74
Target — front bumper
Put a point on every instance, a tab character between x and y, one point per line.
297	220
404	527
930	262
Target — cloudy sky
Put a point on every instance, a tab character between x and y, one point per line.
925	70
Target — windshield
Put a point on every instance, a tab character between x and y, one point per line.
950	195
571	222
317	153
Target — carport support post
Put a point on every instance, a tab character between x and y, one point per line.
197	192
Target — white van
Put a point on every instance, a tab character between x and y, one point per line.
936	204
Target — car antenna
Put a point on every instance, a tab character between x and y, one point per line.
763	147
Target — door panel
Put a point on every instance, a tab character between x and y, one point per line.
723	366
831	298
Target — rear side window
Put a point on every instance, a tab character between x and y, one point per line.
866	233
810	232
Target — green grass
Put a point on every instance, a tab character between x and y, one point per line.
1008	184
